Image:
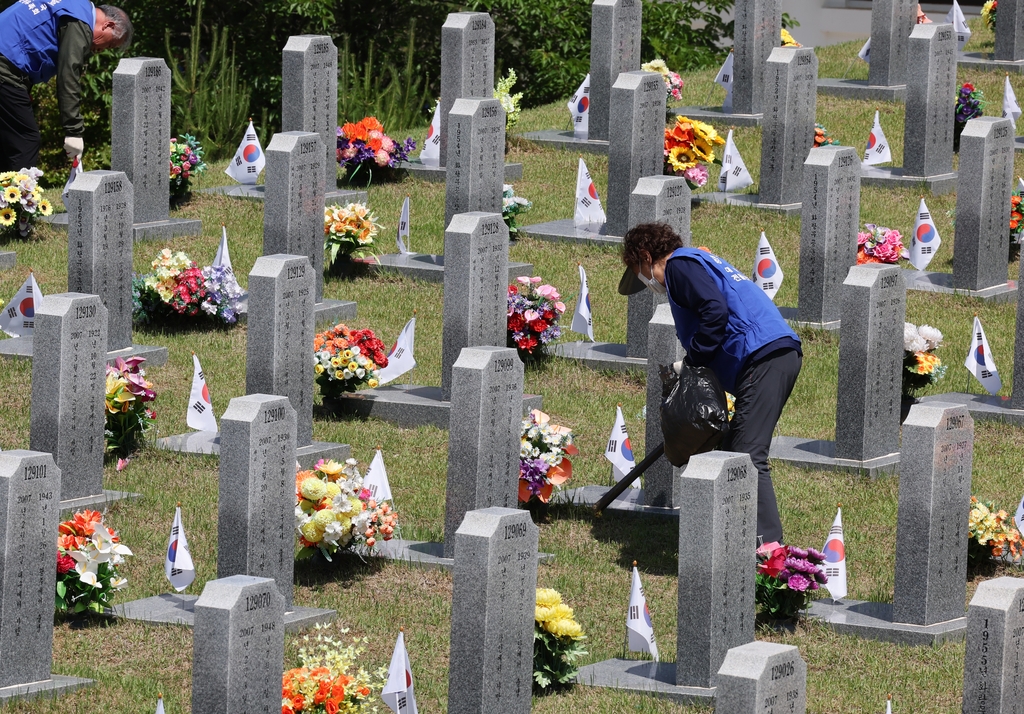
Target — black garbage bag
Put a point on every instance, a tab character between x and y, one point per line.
694	413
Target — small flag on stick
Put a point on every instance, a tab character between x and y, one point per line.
865	51
19	317
724	79
403	229
159	704
835	558
619	452
223	257
1010	107
178	566
588	203
980	362
249	160
963	32
734	175
877	151
639	628
579	109
76	169
583	319
200	409
400	359
431	153
925	240
376	480
767	271
398	691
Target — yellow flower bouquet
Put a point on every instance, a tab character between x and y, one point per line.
557	641
689	148
349	231
21	200
991	534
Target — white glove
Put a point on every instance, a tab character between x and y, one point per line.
74	146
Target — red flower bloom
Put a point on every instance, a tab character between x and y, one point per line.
538	326
528	343
65	563
775	563
512	290
968	86
516	322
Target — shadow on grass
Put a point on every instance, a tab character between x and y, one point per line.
347	570
650	540
172	325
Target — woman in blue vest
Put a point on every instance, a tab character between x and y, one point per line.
40	39
727	323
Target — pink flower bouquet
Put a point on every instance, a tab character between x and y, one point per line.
879	245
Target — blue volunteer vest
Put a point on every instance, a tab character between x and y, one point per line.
28	33
754	321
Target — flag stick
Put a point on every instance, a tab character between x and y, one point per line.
848	68
616	490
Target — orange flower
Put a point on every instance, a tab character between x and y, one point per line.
365	692
1014	200
299	478
82	523
331	706
372	124
70	542
298	702
355	131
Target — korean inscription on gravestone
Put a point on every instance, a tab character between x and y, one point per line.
993	676
614	49
141	132
476	129
931	80
467	65
309	91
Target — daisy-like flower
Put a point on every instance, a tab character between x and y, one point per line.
7	216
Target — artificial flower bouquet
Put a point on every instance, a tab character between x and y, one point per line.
689	148
178	287
511	206
88	553
786	577
787	40
128	395
364	146
920	366
878	244
557	641
345	360
822	137
1016	216
673	82
533	312
331	678
991	534
349	232
21	200
970	104
988	14
186	162
544	453
334	512
509	102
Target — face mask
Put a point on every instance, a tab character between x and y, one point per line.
653	285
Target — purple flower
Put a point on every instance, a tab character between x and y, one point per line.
815	556
798	583
795	552
799	565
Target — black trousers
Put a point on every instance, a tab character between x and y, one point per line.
19	132
762	389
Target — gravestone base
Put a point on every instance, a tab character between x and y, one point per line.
57	684
1018	143
258	191
748	200
21	348
715	115
600	356
430	268
820	455
99	502
333	311
895	178
928	281
630	501
656	679
311	453
8	259
438	174
987	62
873	621
982	406
860	89
427	555
554	139
407	405
566	230
207	443
155	230
175	609
792	316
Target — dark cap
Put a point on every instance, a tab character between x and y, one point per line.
630	284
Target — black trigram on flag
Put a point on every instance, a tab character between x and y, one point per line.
768	285
250	137
238	161
926	250
880	149
29	324
764	250
612	446
728	159
250	169
402	703
12	312
726	79
832	572
199	406
586	201
634	612
398	353
737	171
578	119
924	216
202	375
402	226
985	374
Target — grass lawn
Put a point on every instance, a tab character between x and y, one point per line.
132	662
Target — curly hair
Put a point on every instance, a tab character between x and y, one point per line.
658	239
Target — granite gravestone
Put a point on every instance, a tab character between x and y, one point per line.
141	132
280	340
829	219
1009	45
637	144
475	288
790	101
309	103
100	239
238	647
984	183
934	502
993	677
663	348
757	27
717	499
1017	395
931	81
873	307
483	435
467	68
68	389
293	213
762	677
614	49
30	490
476	157
255	505
493	602
891	24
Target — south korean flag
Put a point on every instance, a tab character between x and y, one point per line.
76	169
178	566
583	319
877	151
200	410
579	110
376	479
865	51
431	153
398	693
19	317
619	451
400	359
980	362
724	79
588	203
963	32
925	240
402	241
734	175
639	627
1011	109
249	160
767	271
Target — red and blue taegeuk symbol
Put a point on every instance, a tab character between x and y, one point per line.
979	354
27	307
587	300
647	615
766	268
835	551
251	152
172	550
627	450
582	105
872	141
925	233
206	393
430	131
592	191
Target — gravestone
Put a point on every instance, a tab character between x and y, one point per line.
483	435
309	103
873	308
238	647
1009	44
663	348
68	389
717	499
614	49
891	24
476	155
1017	395
757	27
256	499
493	602
934	502
467	67
984	183
829	219
100	209
762	677
637	144
279	351
993	677
293	214
790	101
931	81
476	294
